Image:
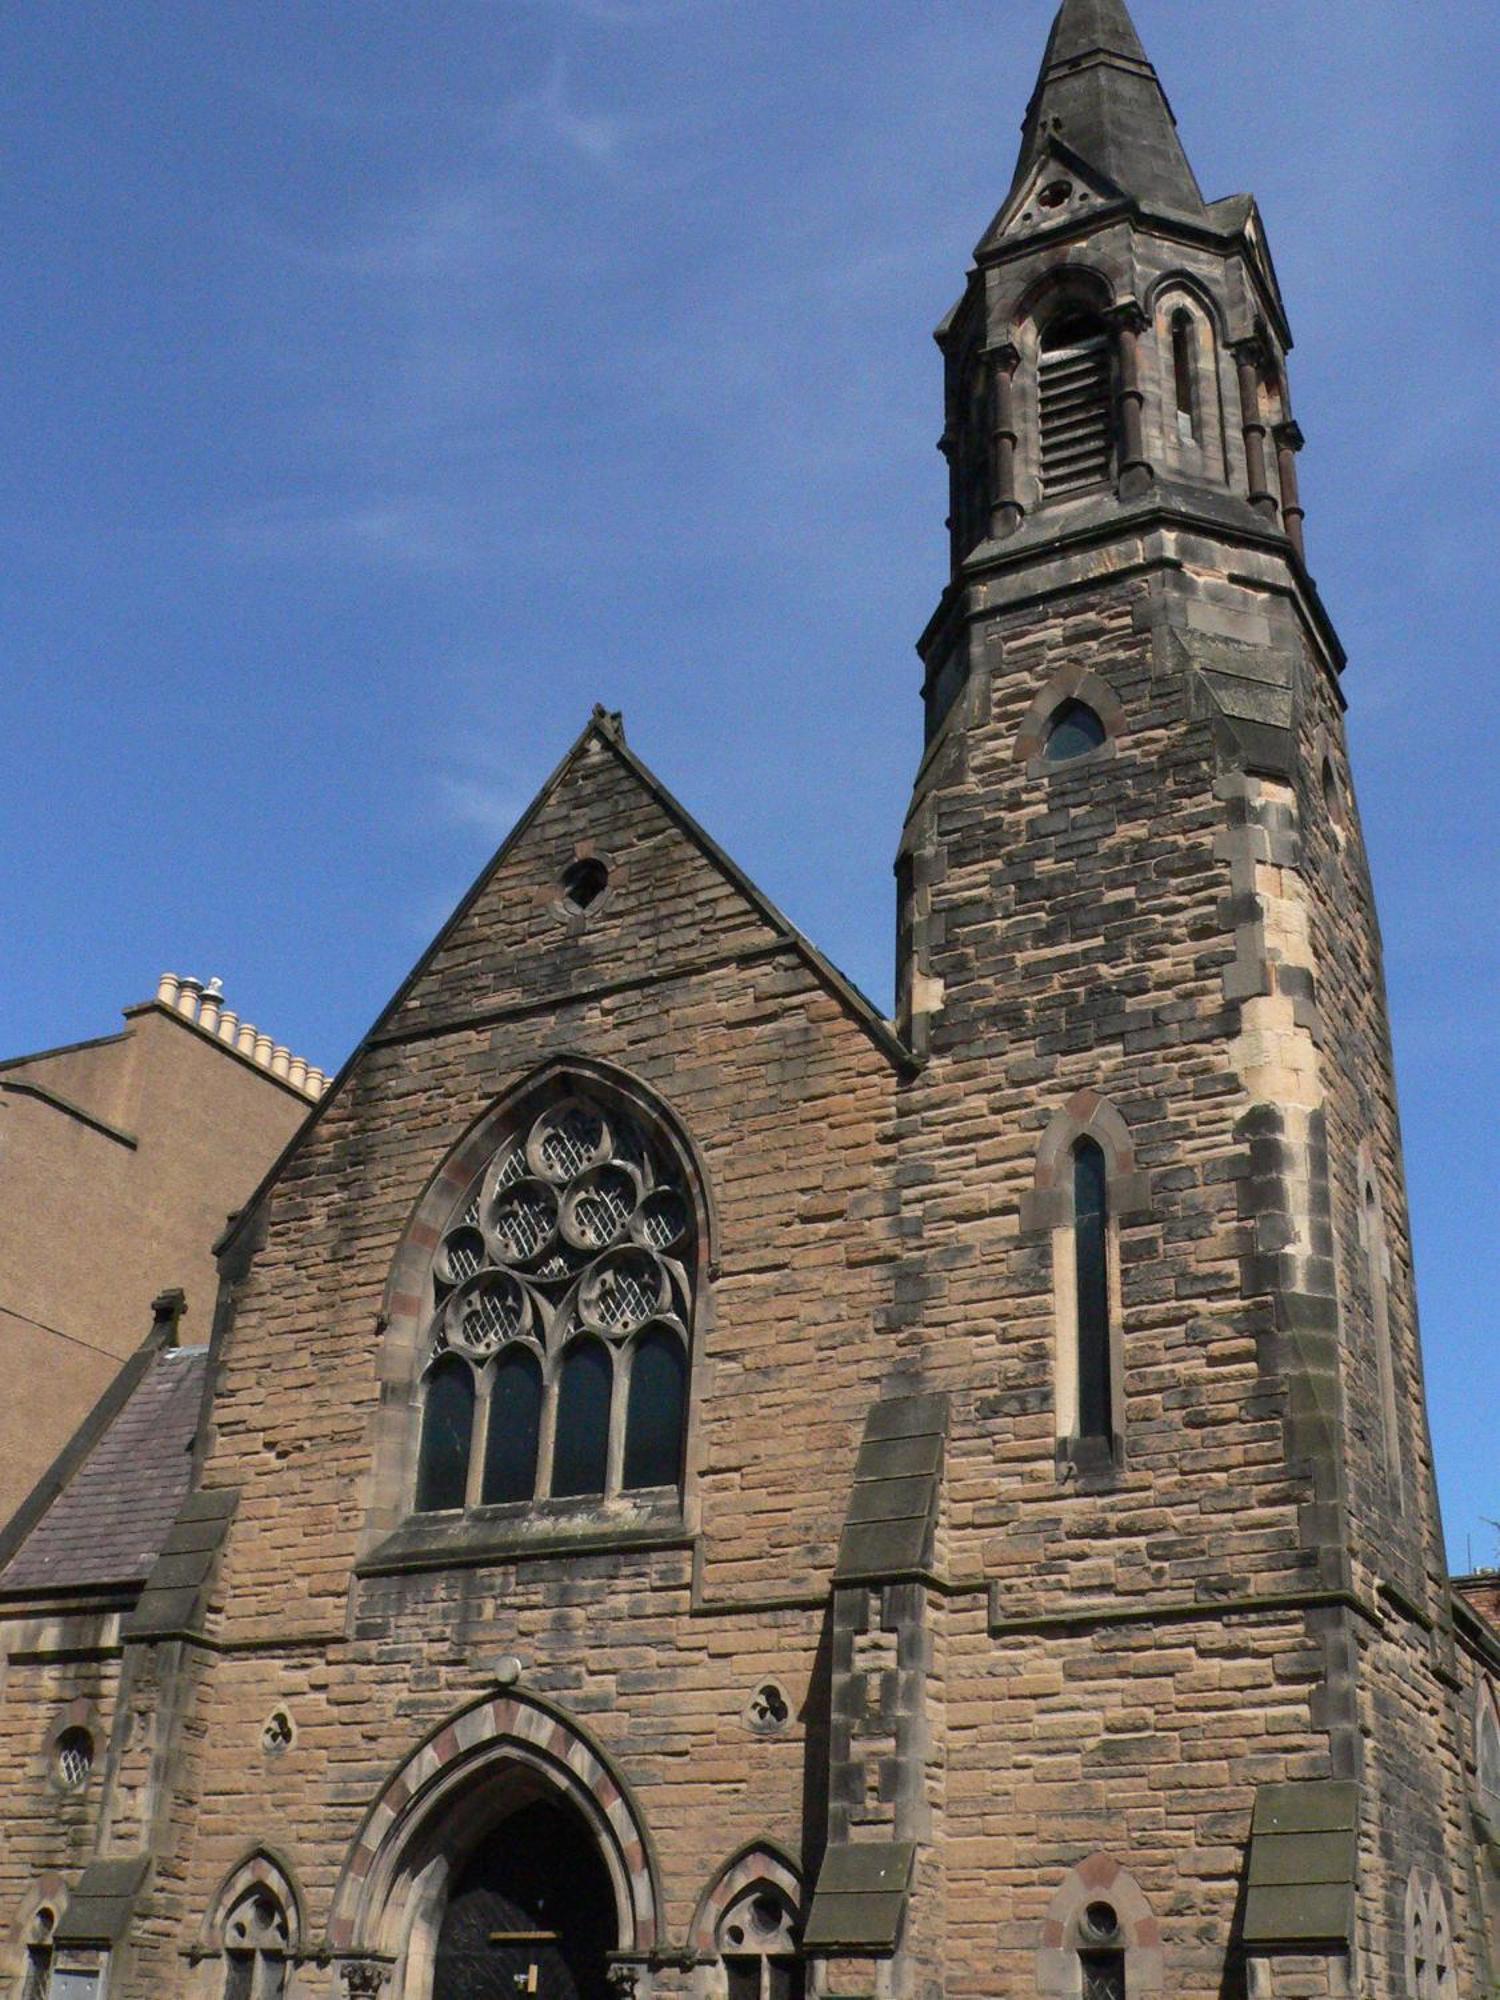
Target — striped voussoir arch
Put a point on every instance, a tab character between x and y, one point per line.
510	1728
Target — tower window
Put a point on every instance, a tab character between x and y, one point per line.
1074	731
1185	376
1077	418
1377	1281
1091	1267
561	1297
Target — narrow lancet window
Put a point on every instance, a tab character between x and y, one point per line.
1091	1260
1184	376
655	1411
447	1426
514	1427
1377	1269
580	1462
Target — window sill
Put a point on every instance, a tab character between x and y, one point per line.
1090	1464
531	1530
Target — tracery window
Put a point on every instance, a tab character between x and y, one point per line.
1430	1973
255	1948
561	1301
39	1955
757	1940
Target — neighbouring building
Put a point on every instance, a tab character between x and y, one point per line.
120	1161
699	1492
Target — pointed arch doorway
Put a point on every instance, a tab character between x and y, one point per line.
530	1913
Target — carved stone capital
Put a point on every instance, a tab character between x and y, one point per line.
1130	316
364	1979
1006	357
1289	435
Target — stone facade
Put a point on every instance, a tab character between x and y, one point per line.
1052	1597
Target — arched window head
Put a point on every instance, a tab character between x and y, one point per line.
758	1942
39	1931
561	1308
1074	731
255	1947
1075	395
1430	1972
1100	1940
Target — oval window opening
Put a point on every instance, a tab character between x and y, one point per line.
1075	731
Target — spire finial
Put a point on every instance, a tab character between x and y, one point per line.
1099	96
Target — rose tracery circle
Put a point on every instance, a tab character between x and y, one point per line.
579	1222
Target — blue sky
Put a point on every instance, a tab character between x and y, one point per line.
387	383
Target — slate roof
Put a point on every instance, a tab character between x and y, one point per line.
1100	96
109	1522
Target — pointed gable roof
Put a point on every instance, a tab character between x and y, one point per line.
747	920
1099	96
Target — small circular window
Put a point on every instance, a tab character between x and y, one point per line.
1074	731
73	1759
584	883
1101	1922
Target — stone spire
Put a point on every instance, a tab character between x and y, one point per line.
1098	97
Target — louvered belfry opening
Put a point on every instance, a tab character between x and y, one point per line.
1077	406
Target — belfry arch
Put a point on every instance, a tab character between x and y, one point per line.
462	1818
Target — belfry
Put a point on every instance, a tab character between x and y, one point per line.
697	1491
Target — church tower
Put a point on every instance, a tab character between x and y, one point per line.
1152	1166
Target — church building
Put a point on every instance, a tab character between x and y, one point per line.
696	1491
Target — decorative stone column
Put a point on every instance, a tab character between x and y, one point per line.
1288	443
1248	356
1006	511
1137	475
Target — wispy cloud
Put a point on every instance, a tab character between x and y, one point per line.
591	133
